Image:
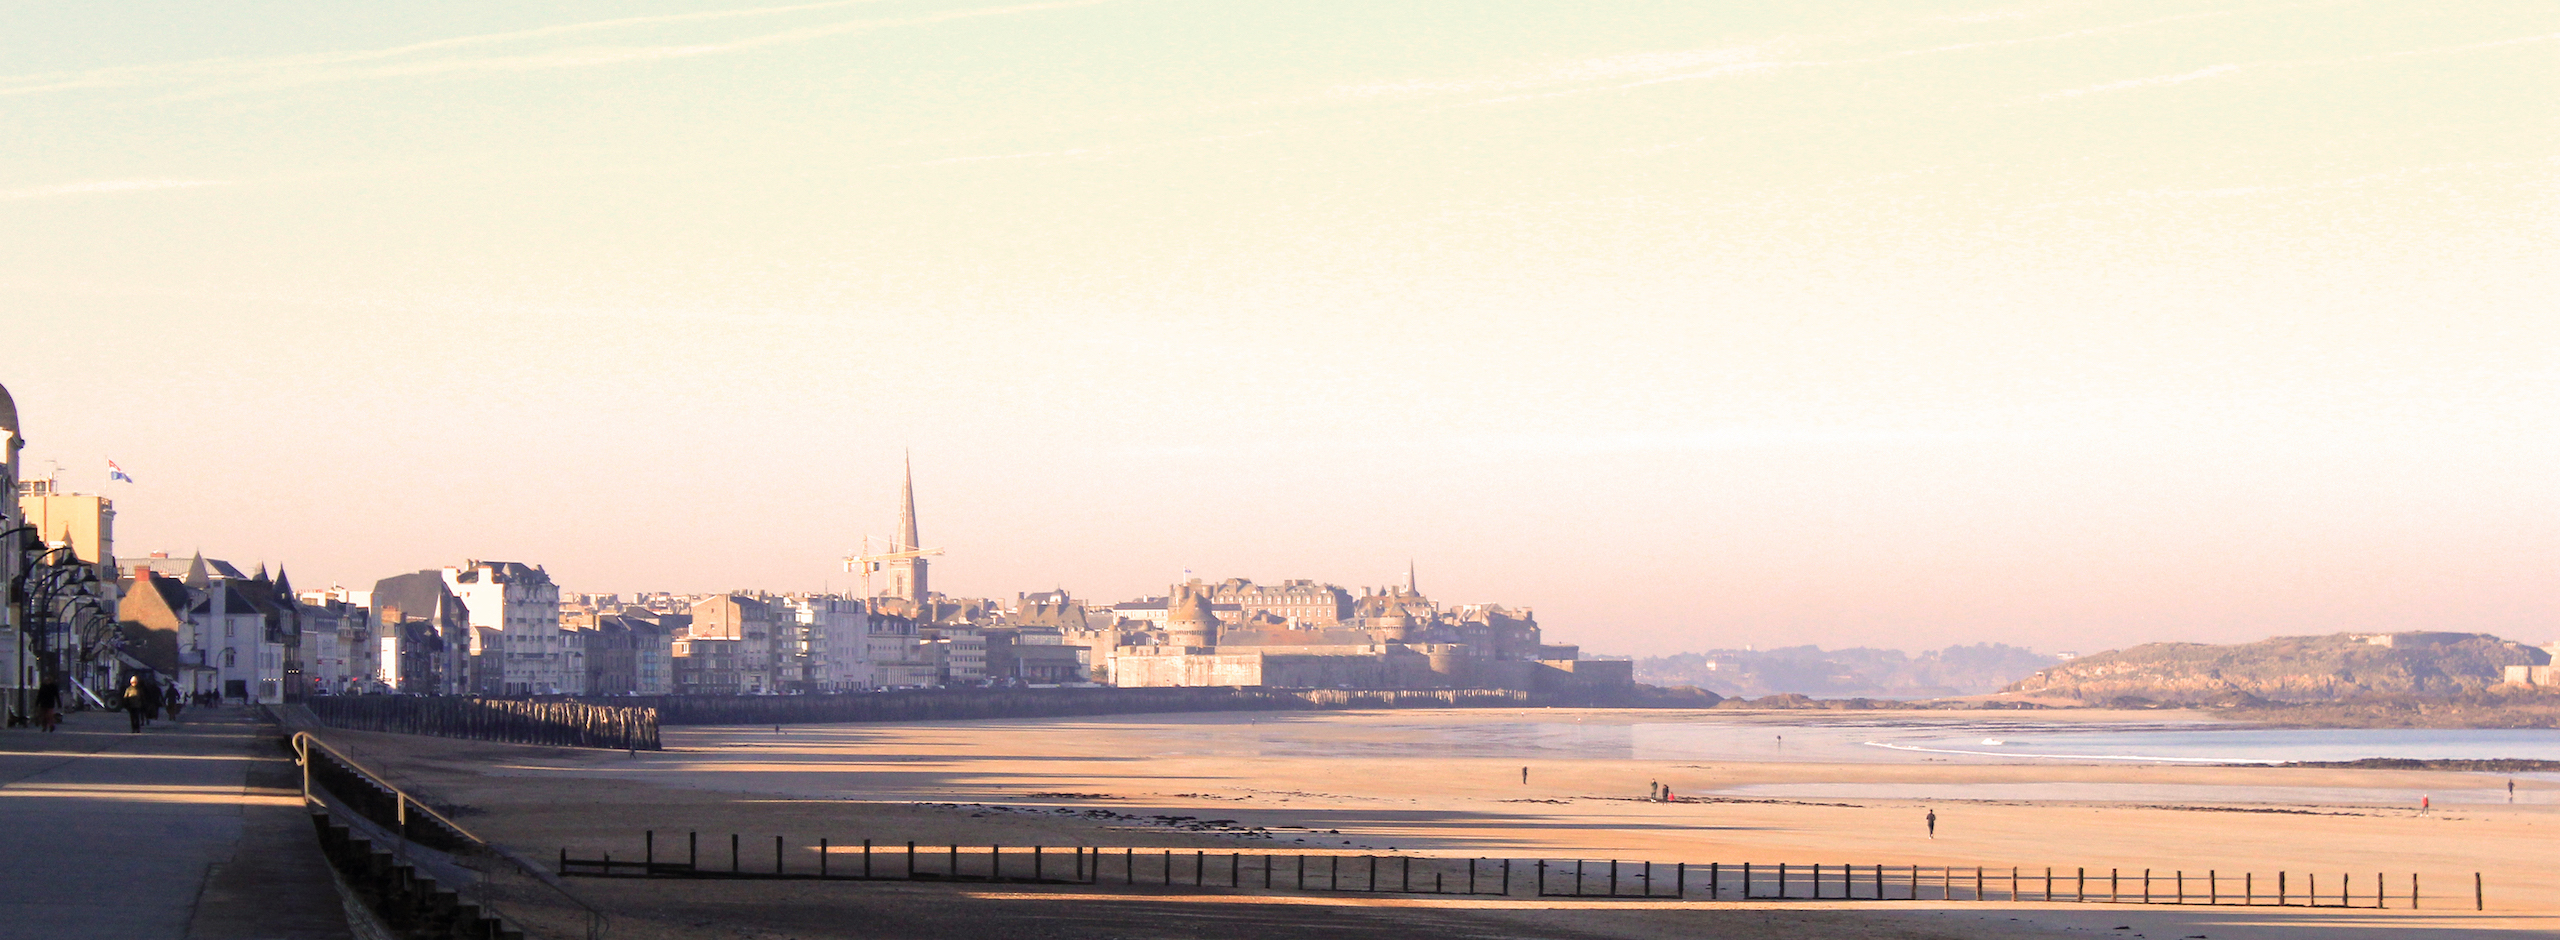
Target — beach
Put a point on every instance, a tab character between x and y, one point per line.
1449	783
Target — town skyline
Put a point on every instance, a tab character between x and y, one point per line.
2064	325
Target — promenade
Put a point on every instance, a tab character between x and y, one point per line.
191	829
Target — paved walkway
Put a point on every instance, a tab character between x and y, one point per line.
188	830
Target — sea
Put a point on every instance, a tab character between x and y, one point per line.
1899	739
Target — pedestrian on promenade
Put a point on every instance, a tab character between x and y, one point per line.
171	700
134	702
1933	824
150	700
48	706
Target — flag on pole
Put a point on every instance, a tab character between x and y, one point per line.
115	473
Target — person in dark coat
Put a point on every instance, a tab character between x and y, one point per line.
150	700
170	699
48	706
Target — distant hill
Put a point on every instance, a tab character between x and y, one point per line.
1859	671
2288	669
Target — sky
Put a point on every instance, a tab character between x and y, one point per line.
2070	325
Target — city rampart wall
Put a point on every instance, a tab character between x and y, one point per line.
961	704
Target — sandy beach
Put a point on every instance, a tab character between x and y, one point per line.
1365	782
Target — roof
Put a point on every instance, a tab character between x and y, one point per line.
418	596
172	594
502	572
8	411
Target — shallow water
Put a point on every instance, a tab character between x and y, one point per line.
1897	739
2134	793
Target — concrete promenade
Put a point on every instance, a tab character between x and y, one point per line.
190	830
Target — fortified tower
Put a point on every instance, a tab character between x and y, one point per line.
1188	619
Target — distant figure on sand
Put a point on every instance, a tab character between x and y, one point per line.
2425	803
1666	794
2511	791
1933	824
1524	776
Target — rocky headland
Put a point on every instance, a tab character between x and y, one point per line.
2337	680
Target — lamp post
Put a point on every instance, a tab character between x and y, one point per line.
53	580
17	609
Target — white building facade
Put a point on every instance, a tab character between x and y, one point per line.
516	642
834	642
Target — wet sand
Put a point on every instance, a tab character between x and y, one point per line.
1359	782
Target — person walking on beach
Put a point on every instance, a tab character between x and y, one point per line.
48	706
1524	776
134	702
2511	790
1933	824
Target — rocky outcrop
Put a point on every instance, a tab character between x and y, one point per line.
2287	669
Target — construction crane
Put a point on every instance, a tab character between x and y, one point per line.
864	564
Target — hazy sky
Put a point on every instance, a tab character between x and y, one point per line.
2068	324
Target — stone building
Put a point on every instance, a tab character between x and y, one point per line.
750	622
515	646
628	655
1387	638
422	635
1298	603
15	672
704	665
1026	655
896	655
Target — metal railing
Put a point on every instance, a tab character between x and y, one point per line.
501	881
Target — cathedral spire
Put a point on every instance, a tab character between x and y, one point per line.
907	540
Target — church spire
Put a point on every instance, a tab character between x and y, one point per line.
907	539
1409	586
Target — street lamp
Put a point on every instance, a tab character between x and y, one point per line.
53	581
17	596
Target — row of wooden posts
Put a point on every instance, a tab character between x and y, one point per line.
559	723
2078	885
1581	878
